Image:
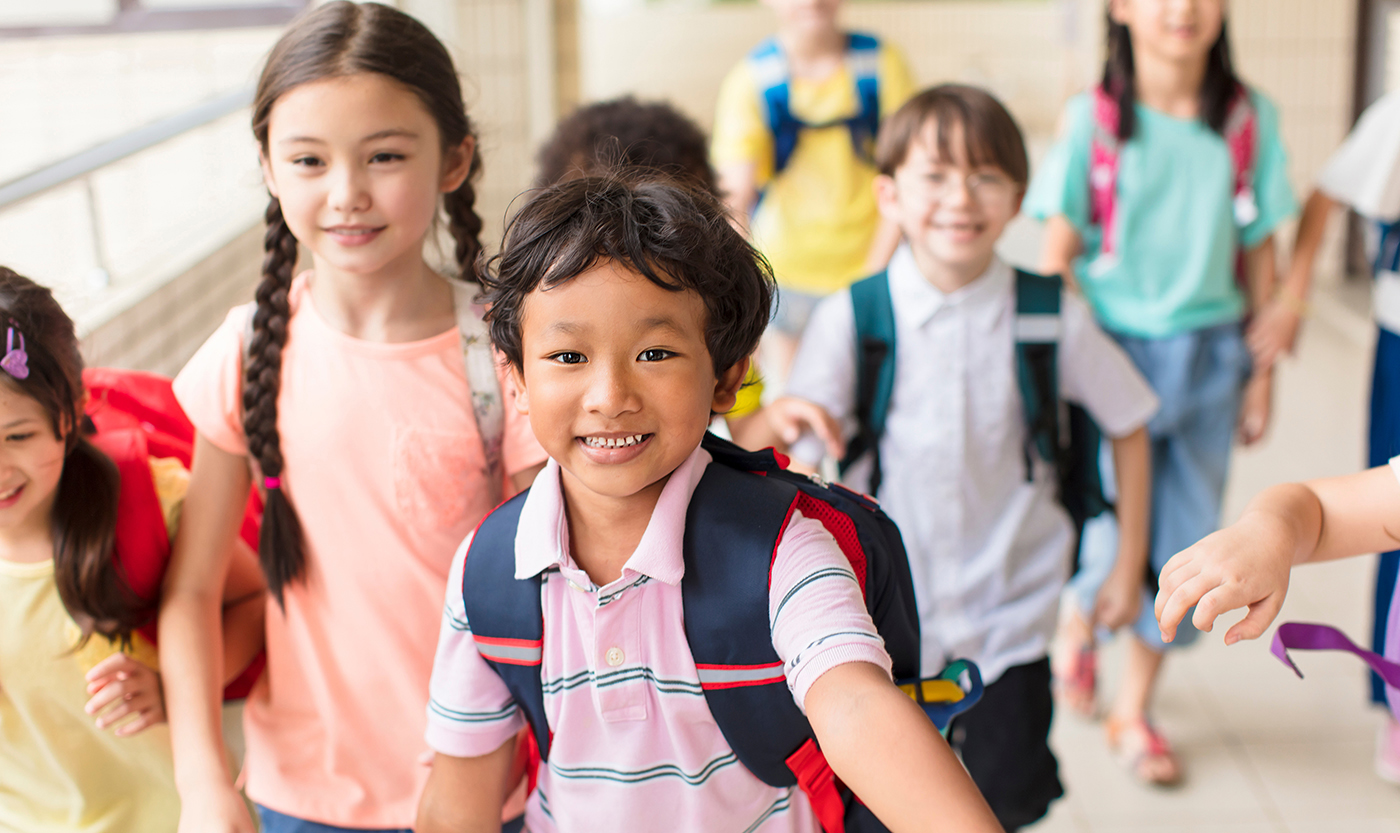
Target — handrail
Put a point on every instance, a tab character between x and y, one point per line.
85	162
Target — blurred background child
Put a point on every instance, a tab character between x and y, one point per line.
793	143
989	545
1163	176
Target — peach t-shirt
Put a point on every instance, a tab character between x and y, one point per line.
384	465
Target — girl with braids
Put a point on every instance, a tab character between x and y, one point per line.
1163	195
343	394
74	592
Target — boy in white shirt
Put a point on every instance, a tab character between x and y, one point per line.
989	545
1364	175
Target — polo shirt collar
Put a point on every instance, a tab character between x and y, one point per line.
916	301
542	536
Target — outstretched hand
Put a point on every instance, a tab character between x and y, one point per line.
1244	565
790	418
121	686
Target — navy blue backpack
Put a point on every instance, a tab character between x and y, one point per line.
738	513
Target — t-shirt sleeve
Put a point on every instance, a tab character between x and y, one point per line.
824	370
1272	191
816	610
1096	374
741	130
519	448
896	81
209	387
470	710
1061	186
1364	172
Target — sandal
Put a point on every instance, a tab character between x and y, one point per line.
1140	749
1074	670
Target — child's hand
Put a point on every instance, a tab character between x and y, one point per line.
790	417
1120	599
1256	405
1244	565
1274	332
128	687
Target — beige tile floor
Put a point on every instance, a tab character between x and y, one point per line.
1264	751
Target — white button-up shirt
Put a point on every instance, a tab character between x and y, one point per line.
989	551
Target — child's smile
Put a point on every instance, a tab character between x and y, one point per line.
618	381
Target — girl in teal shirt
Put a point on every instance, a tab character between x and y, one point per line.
1165	187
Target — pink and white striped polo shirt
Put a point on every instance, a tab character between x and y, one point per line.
634	745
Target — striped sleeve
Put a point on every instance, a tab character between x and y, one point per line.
470	710
815	608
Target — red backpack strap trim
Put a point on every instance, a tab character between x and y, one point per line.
714	677
510	651
821	785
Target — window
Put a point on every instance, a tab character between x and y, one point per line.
82	17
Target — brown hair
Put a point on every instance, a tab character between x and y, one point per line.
990	134
674	234
627	133
84	519
335	40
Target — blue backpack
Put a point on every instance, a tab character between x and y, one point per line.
1061	433
769	68
738	513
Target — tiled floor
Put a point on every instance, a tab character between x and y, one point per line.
1264	751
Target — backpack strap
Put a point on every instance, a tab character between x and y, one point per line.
505	614
772	76
487	398
1037	330
875	366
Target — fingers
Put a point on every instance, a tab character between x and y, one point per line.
125	692
1260	616
143	721
108	667
1179	600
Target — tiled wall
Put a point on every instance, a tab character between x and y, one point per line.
161	331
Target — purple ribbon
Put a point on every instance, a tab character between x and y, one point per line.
16	361
1307	636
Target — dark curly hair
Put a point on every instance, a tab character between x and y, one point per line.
676	235
337	39
626	133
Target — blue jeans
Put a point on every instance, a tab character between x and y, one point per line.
275	822
1199	377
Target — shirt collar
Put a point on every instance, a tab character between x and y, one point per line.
916	301
542	536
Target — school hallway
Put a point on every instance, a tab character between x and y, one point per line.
1263	751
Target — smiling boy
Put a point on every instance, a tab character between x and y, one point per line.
958	468
627	311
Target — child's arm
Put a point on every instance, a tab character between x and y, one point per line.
1275	328
883	746
191	636
1261	264
1247	563
465	795
1060	245
1120	597
790	417
738	182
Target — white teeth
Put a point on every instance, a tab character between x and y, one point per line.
610	442
11	493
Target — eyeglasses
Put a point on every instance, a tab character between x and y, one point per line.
982	186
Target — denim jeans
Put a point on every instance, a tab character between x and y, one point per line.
1199	377
275	822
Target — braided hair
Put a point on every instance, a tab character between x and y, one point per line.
337	39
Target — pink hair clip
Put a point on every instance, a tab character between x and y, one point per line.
272	483
16	361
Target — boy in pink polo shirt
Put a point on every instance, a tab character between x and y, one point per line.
627	310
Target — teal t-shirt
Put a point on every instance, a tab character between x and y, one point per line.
1174	265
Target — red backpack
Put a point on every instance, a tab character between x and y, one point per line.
137	417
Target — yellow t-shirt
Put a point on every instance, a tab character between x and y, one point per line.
817	220
59	773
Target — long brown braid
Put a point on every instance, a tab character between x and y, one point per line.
337	39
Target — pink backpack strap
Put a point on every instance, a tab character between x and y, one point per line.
1104	150
1242	137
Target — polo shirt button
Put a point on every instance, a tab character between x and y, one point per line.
614	657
